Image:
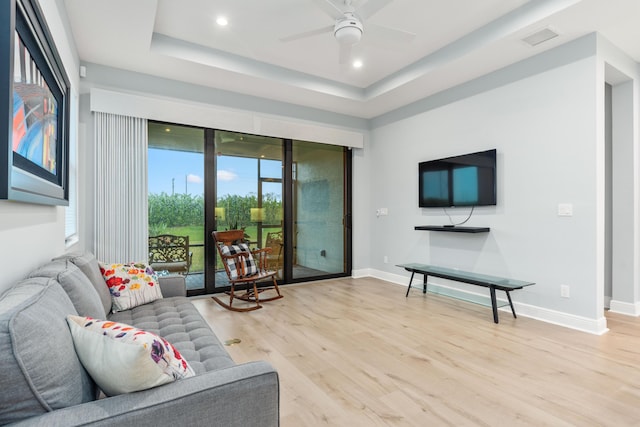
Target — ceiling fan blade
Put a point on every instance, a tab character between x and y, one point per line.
371	7
387	35
306	34
345	53
329	8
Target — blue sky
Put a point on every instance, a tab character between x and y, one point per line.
180	170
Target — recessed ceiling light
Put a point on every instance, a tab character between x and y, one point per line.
357	63
167	130
222	21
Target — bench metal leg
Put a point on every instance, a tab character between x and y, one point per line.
424	283
511	304
494	304
410	280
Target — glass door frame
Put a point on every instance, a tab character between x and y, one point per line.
289	215
210	197
211	254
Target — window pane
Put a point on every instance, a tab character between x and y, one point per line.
318	179
176	196
249	193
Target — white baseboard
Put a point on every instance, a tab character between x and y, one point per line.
396	279
628	308
580	323
365	272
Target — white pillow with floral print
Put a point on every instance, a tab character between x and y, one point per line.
124	359
131	284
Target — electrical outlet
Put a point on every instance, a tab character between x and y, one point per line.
564	291
386	259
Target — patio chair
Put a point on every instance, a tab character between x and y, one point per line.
275	241
171	253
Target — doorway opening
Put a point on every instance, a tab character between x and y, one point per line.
621	240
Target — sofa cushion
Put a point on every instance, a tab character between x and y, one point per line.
180	323
130	284
36	352
83	295
124	359
88	264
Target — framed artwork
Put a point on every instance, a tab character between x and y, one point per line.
34	107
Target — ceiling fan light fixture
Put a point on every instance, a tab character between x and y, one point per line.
348	31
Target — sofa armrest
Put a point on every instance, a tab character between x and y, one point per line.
174	285
242	395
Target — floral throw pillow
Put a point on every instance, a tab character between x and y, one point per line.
131	284
246	267
124	359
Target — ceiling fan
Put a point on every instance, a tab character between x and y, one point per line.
348	28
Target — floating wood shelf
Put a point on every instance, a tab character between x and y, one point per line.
453	229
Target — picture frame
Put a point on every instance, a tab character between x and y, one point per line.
34	109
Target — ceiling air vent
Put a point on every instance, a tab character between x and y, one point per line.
540	37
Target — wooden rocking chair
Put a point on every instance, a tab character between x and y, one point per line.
244	267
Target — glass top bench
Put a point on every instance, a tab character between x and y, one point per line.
491	282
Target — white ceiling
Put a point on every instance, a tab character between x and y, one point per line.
455	41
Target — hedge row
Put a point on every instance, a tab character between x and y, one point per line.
178	210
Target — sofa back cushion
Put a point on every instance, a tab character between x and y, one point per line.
131	284
76	284
89	265
40	369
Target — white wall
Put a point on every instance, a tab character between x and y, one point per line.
544	129
361	211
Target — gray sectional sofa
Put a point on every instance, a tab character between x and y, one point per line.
44	383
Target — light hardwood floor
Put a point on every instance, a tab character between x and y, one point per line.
356	352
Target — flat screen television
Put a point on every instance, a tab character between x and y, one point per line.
466	180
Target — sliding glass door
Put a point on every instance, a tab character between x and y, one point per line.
176	197
248	193
319	205
290	196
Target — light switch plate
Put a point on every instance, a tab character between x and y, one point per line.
565	209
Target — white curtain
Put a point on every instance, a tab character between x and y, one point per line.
121	219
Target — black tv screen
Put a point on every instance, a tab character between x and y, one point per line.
466	180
